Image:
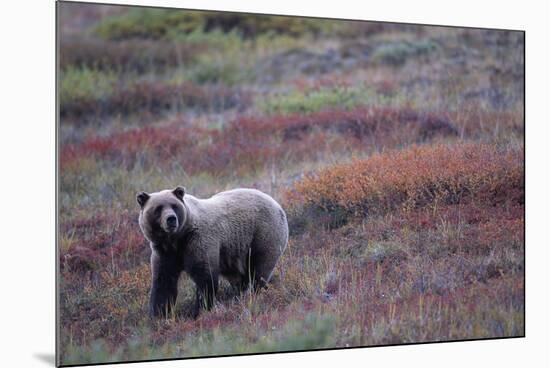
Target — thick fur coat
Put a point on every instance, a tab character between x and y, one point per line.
238	234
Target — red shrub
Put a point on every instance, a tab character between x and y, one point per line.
248	143
416	177
105	241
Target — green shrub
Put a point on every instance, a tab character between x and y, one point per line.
212	69
148	23
397	53
215	40
85	83
223	64
160	23
317	100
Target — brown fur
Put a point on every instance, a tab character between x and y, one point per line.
239	234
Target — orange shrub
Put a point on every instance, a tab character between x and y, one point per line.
415	177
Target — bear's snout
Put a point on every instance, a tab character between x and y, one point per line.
170	223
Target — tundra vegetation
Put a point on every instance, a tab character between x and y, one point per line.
396	150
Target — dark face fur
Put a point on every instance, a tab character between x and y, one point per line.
162	215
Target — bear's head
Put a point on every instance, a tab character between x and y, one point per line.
163	214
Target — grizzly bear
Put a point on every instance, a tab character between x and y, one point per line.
239	234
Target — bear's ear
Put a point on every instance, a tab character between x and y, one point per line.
179	192
142	198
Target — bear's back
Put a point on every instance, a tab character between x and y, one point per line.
246	205
236	214
244	197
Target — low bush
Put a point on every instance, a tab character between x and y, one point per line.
249	143
316	100
146	96
162	23
105	241
131	55
361	123
219	69
397	53
416	177
85	84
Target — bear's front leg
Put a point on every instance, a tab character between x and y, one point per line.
164	288
206	280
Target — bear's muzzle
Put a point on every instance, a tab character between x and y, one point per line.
170	222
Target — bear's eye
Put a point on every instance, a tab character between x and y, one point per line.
175	208
158	210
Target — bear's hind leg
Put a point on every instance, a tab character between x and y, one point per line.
268	245
261	270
